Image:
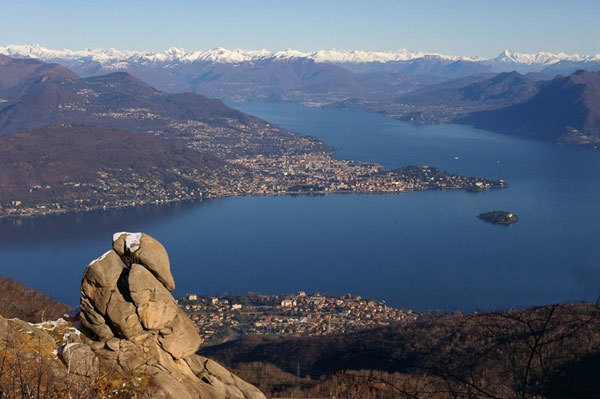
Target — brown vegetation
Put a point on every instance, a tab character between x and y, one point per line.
550	352
64	163
17	300
545	352
16	71
29	367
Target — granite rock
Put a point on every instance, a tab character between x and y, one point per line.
133	326
143	249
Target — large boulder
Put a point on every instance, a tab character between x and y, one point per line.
133	326
143	249
155	305
100	279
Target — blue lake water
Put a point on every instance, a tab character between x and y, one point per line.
420	250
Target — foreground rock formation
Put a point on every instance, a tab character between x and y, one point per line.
129	340
133	325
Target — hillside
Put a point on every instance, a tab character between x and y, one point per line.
121	101
17	300
16	71
548	352
86	167
450	100
545	352
319	77
126	341
566	110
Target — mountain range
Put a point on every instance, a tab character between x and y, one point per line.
418	87
324	76
415	86
109	58
121	101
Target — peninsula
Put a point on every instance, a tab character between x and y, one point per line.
59	169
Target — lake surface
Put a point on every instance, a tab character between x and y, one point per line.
420	250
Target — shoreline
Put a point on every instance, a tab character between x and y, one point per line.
42	210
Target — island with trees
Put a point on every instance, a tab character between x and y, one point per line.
499	217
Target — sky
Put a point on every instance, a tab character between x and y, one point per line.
482	28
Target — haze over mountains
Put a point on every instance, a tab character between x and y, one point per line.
413	86
567	110
291	75
109	58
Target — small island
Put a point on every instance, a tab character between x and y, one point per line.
499	217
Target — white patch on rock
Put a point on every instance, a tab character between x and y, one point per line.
132	240
100	258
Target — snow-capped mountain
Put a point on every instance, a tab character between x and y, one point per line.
219	54
543	58
415	86
291	75
222	55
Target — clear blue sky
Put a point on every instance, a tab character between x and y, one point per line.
456	27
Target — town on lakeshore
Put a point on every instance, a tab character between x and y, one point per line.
309	173
220	318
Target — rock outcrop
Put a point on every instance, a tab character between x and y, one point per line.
133	326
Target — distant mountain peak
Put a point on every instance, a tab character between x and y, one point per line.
542	58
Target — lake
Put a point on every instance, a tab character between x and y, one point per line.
419	250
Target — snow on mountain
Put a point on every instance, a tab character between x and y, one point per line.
103	56
110	58
222	55
363	56
111	55
543	58
289	54
218	55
